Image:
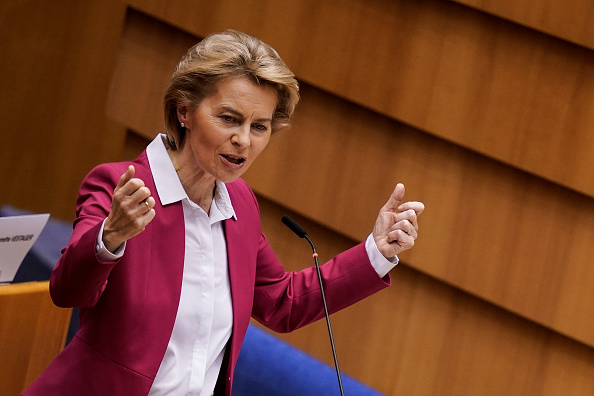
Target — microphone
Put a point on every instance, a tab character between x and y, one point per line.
295	227
300	232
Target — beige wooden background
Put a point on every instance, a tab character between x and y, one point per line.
484	109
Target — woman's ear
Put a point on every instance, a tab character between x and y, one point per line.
182	114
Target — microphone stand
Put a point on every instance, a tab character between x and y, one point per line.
297	229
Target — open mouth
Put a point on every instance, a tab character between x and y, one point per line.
234	160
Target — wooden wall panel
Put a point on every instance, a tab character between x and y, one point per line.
485	224
56	65
477	93
488	228
139	84
148	52
569	20
503	90
422	337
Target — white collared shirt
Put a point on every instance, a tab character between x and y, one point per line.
205	316
204	319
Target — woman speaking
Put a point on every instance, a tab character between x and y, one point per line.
167	260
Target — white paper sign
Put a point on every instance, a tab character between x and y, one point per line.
17	236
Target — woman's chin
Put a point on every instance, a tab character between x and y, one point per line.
230	177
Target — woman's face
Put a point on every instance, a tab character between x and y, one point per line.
228	129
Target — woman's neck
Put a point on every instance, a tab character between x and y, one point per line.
199	186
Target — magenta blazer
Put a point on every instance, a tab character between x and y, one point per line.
128	308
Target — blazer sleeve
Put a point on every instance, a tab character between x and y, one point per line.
80	277
285	301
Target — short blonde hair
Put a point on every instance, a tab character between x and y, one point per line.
227	54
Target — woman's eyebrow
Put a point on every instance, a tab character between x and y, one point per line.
233	111
240	115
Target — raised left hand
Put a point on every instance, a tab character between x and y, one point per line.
396	227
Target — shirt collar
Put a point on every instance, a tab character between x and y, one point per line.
170	189
222	203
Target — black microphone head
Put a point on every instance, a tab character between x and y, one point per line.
294	226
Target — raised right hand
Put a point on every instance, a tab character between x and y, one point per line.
396	227
131	211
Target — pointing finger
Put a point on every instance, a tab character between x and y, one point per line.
418	207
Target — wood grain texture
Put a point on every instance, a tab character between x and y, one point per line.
489	229
56	66
32	332
499	233
570	21
501	89
422	337
147	55
499	134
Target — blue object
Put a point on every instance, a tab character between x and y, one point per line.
268	366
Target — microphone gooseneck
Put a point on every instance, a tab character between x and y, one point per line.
300	232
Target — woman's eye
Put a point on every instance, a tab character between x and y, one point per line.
227	118
260	127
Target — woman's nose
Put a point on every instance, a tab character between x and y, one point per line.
241	136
